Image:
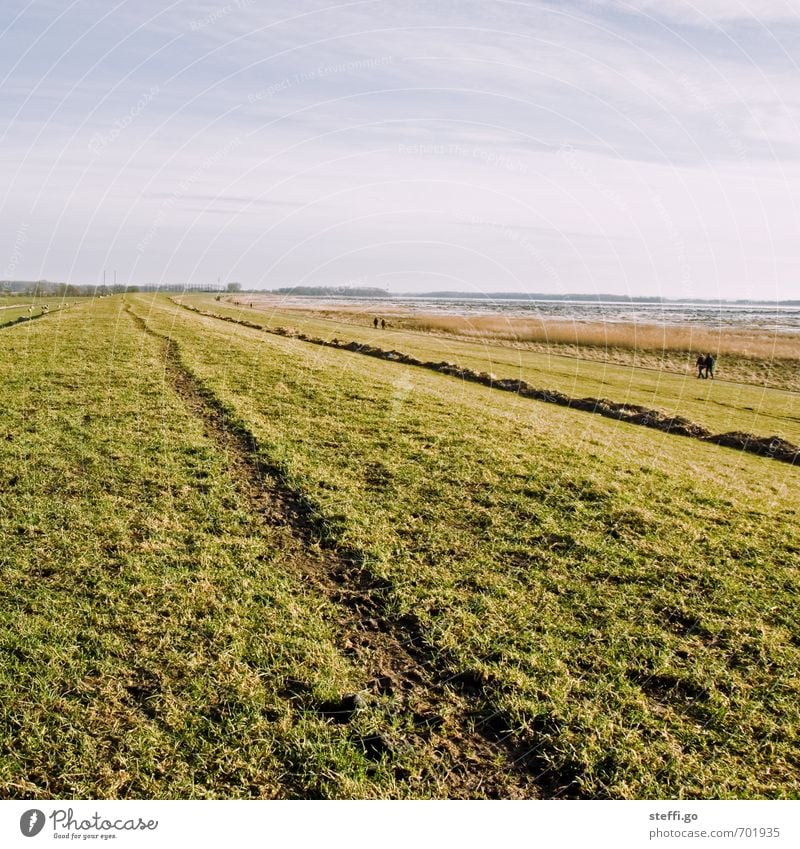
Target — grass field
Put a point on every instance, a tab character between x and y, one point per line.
721	405
241	565
723	342
758	356
15	310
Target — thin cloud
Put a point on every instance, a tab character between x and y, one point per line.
713	12
656	140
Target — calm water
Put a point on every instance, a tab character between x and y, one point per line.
781	318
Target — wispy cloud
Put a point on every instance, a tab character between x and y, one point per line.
713	12
636	145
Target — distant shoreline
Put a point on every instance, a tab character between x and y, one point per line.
534	297
39	289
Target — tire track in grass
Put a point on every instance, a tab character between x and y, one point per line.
475	753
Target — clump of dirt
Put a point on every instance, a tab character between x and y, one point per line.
765	446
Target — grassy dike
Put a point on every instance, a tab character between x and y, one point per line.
16	314
155	638
617	605
720	405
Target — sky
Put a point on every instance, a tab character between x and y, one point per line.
642	147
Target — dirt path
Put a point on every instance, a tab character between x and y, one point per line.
473	752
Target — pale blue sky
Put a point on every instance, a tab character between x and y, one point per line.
631	147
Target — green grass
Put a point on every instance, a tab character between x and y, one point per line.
720	405
15	310
618	602
622	600
148	621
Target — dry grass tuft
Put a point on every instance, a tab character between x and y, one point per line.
754	344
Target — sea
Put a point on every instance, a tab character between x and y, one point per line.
774	317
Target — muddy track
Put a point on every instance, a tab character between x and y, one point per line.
771	447
24	319
475	753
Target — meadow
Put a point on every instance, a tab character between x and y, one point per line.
754	355
241	565
723	342
15	310
723	405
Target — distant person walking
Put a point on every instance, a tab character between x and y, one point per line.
375	322
701	365
383	324
709	366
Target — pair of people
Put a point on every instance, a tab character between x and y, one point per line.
705	366
379	322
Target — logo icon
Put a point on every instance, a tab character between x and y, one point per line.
31	822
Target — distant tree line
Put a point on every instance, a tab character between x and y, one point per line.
334	291
47	288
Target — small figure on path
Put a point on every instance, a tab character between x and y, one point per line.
701	365
383	324
709	366
375	322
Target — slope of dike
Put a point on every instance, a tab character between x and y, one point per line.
772	447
